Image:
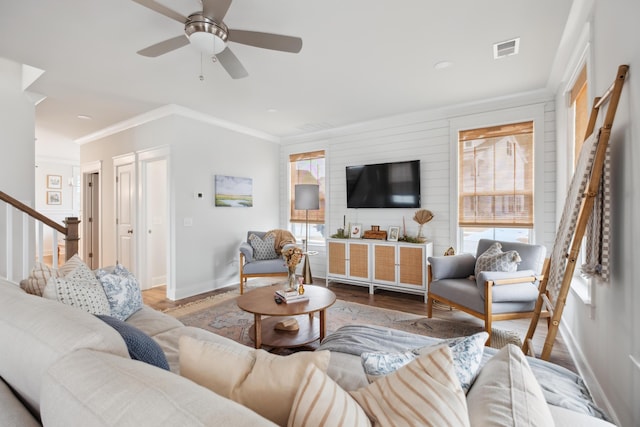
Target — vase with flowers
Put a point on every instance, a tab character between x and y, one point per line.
292	257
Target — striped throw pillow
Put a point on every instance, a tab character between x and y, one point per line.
321	402
425	392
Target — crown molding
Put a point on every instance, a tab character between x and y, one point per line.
171	110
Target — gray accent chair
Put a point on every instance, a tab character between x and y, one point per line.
250	267
491	295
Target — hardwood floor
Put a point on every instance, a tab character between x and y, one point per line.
407	303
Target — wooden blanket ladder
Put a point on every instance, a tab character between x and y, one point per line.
612	95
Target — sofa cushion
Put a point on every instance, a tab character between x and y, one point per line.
122	290
321	402
91	388
153	322
38	278
466	353
526	291
12	411
494	259
47	331
507	394
79	288
141	346
263	248
429	389
264	382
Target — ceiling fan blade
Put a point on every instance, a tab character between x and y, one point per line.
266	40
215	8
157	7
164	47
231	63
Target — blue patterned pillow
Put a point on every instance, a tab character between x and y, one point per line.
122	290
140	345
467	355
263	248
493	259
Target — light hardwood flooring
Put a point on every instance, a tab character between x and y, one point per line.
407	303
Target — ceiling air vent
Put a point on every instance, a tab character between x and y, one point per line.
506	48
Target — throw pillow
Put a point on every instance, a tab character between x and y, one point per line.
425	392
38	278
264	382
506	393
263	248
78	290
466	353
122	290
320	401
71	264
493	259
141	346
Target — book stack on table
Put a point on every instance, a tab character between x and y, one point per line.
291	296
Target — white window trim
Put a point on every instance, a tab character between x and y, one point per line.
534	112
581	287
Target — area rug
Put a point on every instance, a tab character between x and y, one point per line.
220	314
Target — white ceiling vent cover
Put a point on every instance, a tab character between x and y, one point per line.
506	48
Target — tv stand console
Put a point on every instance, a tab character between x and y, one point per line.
396	266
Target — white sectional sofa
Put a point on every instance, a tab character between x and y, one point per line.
61	366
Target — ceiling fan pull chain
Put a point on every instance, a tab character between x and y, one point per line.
201	72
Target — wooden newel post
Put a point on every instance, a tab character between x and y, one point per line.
71	241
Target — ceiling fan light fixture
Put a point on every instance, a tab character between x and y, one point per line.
205	34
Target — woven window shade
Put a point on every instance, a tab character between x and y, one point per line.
495	181
307	168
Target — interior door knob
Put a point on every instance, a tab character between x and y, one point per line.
130	231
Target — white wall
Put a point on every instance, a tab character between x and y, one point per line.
607	332
17	118
425	136
205	254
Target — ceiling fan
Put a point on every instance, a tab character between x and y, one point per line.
207	31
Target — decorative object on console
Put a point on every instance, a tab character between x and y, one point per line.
393	234
375	233
422	216
449	252
355	231
307	197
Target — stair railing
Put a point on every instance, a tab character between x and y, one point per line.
22	244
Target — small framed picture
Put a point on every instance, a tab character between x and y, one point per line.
54	181
54	197
392	236
355	231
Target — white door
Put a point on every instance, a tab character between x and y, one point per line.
125	215
154	252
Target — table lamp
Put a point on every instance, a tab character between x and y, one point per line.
307	197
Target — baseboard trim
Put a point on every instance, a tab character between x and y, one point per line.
585	371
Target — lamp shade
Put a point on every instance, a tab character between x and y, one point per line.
307	197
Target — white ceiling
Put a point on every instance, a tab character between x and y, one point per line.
360	60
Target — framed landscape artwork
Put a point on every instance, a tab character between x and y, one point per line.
233	191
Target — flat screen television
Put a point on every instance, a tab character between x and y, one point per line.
384	185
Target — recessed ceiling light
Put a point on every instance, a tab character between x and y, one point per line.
84	117
442	65
272	110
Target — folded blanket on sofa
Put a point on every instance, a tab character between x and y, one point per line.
560	386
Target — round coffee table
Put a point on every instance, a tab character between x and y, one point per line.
261	302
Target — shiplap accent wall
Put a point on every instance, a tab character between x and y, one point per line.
422	136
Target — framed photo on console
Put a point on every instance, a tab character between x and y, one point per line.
355	231
393	234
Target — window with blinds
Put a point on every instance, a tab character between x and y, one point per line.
496	177
580	108
307	168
